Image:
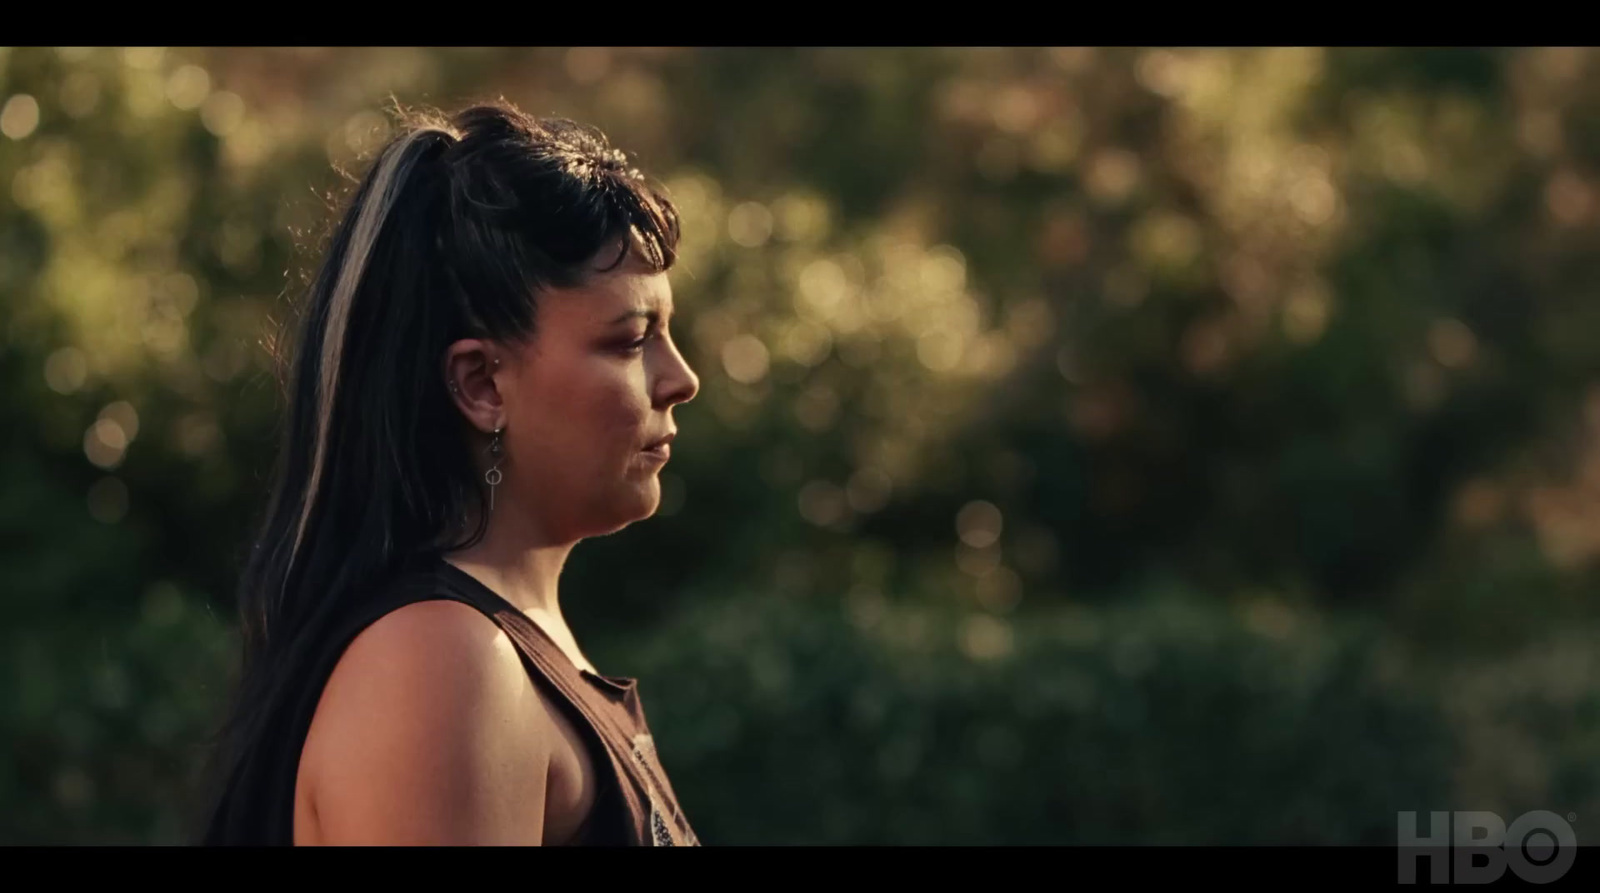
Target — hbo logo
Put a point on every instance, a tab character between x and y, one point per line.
1477	847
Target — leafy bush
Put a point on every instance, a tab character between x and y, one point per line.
1165	721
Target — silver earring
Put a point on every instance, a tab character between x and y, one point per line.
492	477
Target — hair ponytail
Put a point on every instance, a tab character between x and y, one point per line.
372	207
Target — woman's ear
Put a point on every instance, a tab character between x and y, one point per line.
469	369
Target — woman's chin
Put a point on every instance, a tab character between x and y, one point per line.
640	502
649	498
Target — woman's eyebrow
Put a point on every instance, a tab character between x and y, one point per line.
651	316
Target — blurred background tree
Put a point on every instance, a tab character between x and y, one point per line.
1095	445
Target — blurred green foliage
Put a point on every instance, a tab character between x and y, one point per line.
1095	445
1166	722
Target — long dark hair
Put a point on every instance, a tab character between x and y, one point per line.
453	232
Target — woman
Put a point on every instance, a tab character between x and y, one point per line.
484	377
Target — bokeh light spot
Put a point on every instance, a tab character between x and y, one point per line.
196	434
1000	590
143	58
1452	343
222	113
745	358
979	523
868	490
587	65
750	224
1113	174
1305	314
817	407
822	503
983	637
940	350
977	562
20	117
105	443
188	86
65	370
125	416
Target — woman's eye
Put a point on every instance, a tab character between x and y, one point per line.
634	347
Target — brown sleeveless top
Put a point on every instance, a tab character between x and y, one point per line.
635	804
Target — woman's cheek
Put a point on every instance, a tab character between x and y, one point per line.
626	412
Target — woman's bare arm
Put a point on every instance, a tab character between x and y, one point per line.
430	732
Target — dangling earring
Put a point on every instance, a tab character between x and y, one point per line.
493	476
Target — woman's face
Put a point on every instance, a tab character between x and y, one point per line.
583	398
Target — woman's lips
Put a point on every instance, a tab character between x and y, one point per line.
662	449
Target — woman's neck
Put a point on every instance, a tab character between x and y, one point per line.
519	565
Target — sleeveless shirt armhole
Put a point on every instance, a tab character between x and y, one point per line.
441	581
433	579
405	589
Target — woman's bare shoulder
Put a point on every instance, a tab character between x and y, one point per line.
429	730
